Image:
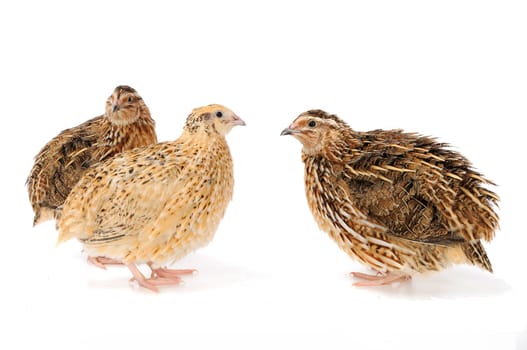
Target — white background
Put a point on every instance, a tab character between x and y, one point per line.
270	279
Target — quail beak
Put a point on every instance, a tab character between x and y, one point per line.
237	121
289	131
286	131
115	107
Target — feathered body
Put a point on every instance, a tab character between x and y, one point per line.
157	203
58	166
397	202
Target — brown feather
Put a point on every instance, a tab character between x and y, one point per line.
157	203
396	201
62	161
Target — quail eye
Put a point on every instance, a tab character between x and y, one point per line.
219	114
130	99
312	124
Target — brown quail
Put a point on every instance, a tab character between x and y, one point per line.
398	202
58	166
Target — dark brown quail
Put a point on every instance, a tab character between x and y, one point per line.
398	202
58	166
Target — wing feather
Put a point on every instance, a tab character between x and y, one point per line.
120	196
431	194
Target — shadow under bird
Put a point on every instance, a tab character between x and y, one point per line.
399	203
157	203
126	124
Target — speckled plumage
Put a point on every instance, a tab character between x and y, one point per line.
398	202
58	166
157	203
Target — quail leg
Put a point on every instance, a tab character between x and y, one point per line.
102	261
153	282
379	279
165	273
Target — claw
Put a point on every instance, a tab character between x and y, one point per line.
144	283
159	277
169	273
379	279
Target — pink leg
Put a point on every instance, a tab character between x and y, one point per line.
155	280
102	261
163	272
379	279
365	276
141	279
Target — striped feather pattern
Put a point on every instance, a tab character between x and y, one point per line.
395	201
63	160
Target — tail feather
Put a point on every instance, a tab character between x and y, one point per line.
72	226
43	214
477	255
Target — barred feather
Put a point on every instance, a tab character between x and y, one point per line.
155	204
63	160
395	201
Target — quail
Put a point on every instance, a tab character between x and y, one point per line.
154	205
398	202
58	166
